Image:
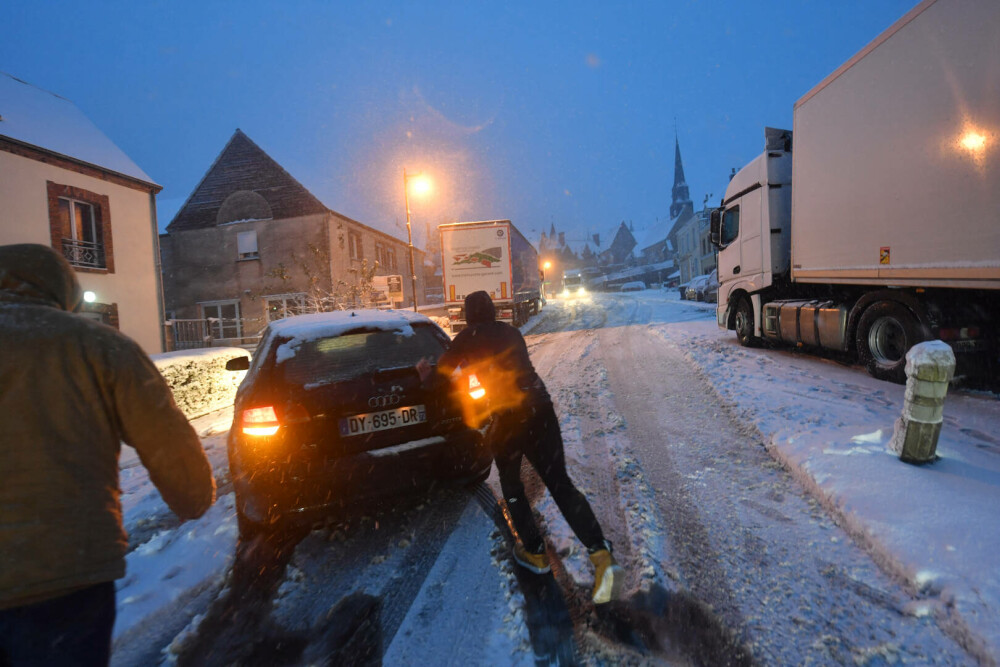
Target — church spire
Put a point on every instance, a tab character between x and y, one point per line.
681	198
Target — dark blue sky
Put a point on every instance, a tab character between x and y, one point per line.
538	112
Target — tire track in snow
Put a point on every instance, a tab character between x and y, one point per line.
749	541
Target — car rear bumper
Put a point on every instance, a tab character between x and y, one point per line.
302	493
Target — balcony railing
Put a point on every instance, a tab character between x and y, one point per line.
84	253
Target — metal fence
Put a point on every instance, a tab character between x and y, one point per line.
212	332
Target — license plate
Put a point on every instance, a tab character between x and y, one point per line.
383	420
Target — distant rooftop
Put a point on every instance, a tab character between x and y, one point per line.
52	123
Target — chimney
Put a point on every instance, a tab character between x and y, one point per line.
597	240
562	238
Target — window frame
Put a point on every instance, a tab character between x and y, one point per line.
218	329
247	256
300	297
354	245
728	214
100	222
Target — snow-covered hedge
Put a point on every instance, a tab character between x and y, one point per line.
199	378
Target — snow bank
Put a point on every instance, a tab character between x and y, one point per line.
165	573
199	379
933	526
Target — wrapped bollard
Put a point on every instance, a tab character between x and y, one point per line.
929	368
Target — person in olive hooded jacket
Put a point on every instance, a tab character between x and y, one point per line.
71	390
525	426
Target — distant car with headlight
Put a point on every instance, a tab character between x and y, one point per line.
697	283
332	411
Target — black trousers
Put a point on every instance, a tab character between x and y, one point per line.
533	433
73	629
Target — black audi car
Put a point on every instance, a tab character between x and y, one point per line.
333	411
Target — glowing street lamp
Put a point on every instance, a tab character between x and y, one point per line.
421	186
973	141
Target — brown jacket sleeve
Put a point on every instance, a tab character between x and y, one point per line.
168	447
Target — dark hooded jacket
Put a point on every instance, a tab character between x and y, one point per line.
71	390
497	353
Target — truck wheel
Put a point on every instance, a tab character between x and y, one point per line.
886	332
744	323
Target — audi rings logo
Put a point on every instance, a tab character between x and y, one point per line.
383	401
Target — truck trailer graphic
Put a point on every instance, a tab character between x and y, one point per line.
492	256
487	257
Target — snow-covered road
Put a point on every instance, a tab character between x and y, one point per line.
681	439
739	534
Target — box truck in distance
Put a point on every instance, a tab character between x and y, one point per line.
492	256
878	226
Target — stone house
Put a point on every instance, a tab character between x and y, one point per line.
64	184
251	244
619	250
695	252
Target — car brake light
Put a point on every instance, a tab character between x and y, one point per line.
956	333
476	390
948	334
260	421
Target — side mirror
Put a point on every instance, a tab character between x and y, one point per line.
715	227
238	364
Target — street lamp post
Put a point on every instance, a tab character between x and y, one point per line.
409	234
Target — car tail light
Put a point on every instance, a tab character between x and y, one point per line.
476	390
260	421
963	333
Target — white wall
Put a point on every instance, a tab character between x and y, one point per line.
24	218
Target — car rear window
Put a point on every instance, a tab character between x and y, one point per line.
350	355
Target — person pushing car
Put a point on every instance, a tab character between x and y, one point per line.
525	426
71	390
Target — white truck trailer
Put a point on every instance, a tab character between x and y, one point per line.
883	228
492	256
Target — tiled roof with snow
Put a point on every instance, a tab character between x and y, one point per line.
243	166
44	120
655	233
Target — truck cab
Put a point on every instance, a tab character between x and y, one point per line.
572	284
751	230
